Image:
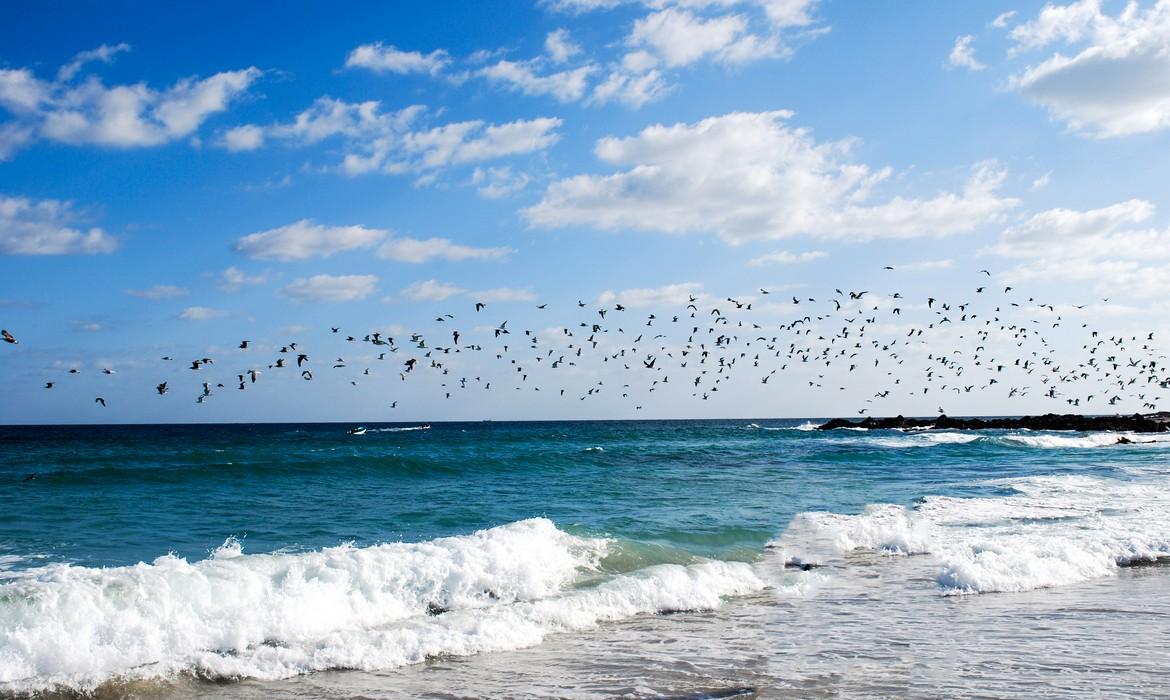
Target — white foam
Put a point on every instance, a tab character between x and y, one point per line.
807	426
275	615
1077	441
399	430
928	438
1052	531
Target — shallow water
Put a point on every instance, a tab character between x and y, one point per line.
298	561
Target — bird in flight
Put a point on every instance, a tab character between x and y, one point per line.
8	337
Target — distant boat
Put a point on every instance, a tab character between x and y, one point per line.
360	430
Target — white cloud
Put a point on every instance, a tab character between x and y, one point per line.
559	46
1106	249
200	313
244	138
632	89
327	118
233	279
680	38
472	141
565	86
431	290
44	227
1040	182
502	294
159	291
103	54
392	142
388	59
14	137
963	54
666	295
748	176
22	92
1118	81
332	288
1107	232
494	183
305	239
783	257
135	116
414	250
1110	278
1001	20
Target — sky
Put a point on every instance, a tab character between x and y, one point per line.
176	180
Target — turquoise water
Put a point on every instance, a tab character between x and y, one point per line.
525	537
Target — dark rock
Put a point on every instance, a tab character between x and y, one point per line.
1137	423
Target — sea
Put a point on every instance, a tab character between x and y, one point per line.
626	559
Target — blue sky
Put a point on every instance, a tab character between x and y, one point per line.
172	182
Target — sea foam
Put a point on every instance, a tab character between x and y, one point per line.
1050	531
271	616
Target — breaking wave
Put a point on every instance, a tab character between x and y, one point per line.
1050	531
270	616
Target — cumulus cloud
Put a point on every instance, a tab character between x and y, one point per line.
118	116
672	35
388	59
1109	249
524	77
200	313
394	142
414	250
494	183
159	291
559	46
1108	232
1116	82
46	227
305	239
431	290
332	288
749	176
472	141
680	38
963	54
233	279
632	88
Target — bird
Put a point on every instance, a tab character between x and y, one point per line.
8	337
101	401
480	306
162	388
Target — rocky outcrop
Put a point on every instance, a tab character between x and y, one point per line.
1137	423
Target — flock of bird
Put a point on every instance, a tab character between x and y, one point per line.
997	340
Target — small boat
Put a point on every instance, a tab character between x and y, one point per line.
360	430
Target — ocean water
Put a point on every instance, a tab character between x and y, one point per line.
680	559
